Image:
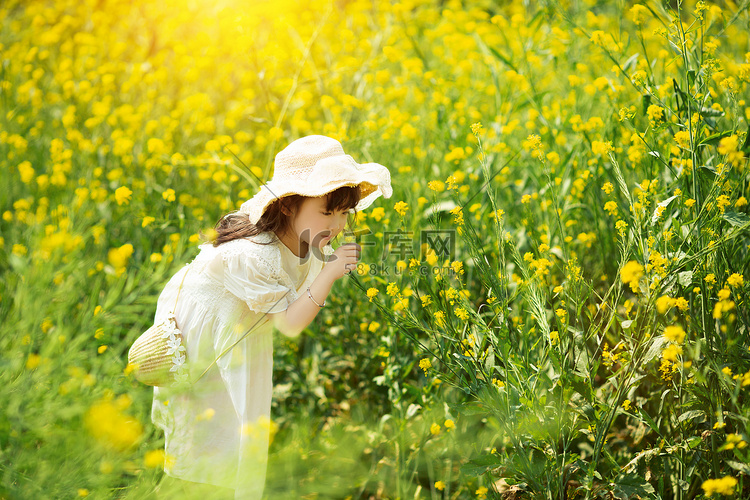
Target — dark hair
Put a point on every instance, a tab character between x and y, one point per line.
236	225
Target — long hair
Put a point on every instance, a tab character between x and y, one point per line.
236	225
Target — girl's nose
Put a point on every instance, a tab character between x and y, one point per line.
339	224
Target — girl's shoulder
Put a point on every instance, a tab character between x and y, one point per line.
261	249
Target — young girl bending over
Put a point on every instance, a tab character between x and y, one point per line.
271	266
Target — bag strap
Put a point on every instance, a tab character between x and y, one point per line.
174	307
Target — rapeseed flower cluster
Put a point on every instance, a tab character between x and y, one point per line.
107	421
723	486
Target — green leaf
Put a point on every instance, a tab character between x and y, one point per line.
685	278
655	349
706	112
481	465
442	206
681	97
746	145
664	204
694	442
690	415
631	63
736	218
650	421
628	486
691	77
713	140
412	410
739	466
471	409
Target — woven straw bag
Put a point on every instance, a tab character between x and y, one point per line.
158	355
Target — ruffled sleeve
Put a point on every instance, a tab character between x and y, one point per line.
252	272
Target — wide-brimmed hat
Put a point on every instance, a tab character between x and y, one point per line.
314	166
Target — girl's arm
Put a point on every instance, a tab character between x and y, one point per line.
302	311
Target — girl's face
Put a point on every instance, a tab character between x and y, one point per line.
312	224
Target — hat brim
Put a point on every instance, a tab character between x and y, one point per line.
374	181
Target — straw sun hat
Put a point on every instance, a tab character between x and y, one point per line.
314	166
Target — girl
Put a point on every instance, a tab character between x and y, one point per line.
271	266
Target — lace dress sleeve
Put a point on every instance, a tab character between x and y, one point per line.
252	272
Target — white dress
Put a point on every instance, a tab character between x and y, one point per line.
217	430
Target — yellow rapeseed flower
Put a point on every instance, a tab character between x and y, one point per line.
638	13
437	186
671	352
733	441
611	208
458	216
601	148
663	303
682	303
401	207
554	337
378	213
106	422
597	37
26	171
631	273
425	364
458	267
730	146
123	195
655	114
118	257
735	280
462	313
154	458
33	361
439	318
439	485
682	138
723	486
371	293
675	333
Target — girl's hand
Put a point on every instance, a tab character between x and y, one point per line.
343	260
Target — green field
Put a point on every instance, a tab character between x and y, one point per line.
552	305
